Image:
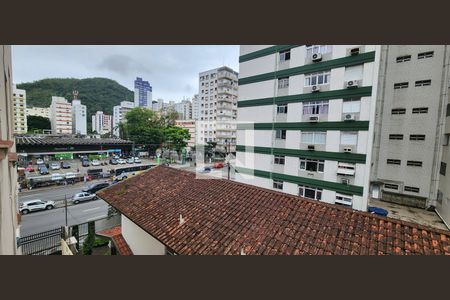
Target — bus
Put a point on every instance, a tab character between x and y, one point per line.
127	172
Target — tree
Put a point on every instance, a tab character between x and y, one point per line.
169	116
38	123
176	137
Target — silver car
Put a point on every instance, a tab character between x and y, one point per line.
83	196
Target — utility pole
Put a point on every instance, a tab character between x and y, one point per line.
65	205
227	151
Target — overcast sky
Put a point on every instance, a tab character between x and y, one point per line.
171	70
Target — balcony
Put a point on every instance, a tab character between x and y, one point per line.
226	74
222	90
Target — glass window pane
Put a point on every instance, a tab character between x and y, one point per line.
307	138
349	138
310	193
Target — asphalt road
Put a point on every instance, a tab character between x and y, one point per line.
50	219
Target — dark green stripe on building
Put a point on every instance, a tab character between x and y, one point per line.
308	126
315	67
328	95
265	52
325	155
333	186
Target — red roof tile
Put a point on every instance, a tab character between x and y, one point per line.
224	217
115	234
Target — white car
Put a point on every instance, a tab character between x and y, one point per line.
137	160
83	196
70	175
34	205
57	176
55	166
95	163
39	161
121	161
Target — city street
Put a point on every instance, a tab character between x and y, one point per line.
76	214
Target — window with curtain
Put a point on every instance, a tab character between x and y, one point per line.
318	78
322	49
349	138
354	72
315	108
316	137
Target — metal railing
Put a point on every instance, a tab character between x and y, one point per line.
42	243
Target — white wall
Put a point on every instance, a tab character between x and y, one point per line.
257	90
140	242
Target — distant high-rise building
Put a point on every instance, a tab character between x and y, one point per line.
20	115
101	123
38	111
119	112
78	116
142	93
61	116
195	107
184	110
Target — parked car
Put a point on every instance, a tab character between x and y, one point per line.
43	170
121	161
29	169
39	161
130	160
137	160
34	205
95	162
55	166
84	196
96	187
85	163
113	162
65	165
218	165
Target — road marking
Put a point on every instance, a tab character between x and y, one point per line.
89	209
95	218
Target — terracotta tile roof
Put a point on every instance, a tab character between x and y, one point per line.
115	234
225	217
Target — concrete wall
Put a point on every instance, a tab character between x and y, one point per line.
140	242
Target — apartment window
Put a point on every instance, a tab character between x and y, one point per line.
349	138
317	78
344	199
414	163
280	134
279	159
446	139
391	186
423	82
351	106
417	137
278	184
401	85
396	136
315	108
310	192
443	168
322	49
285	55
398	111
313	165
393	161
282	109
316	137
411	189
403	58
425	55
420	110
283	82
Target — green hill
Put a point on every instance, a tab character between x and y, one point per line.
96	93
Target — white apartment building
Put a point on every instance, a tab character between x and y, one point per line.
184	110
191	126
305	120
101	123
79	123
20	114
119	112
195	107
39	111
61	116
218	90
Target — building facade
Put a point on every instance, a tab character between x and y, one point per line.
195	107
8	157
142	93
79	123
20	114
61	116
39	112
191	126
101	123
184	110
218	90
306	120
119	112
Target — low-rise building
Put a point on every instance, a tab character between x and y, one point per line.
191	126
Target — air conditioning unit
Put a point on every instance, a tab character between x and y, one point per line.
345	181
348	149
311	147
315	88
316	57
352	83
349	117
314	119
354	51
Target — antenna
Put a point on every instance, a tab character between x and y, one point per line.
75	94
242	251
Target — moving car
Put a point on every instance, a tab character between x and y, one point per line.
96	187
39	161
55	166
113	162
137	160
34	205
95	162
65	165
130	160
121	161
123	176
84	196
85	163
218	165
43	170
